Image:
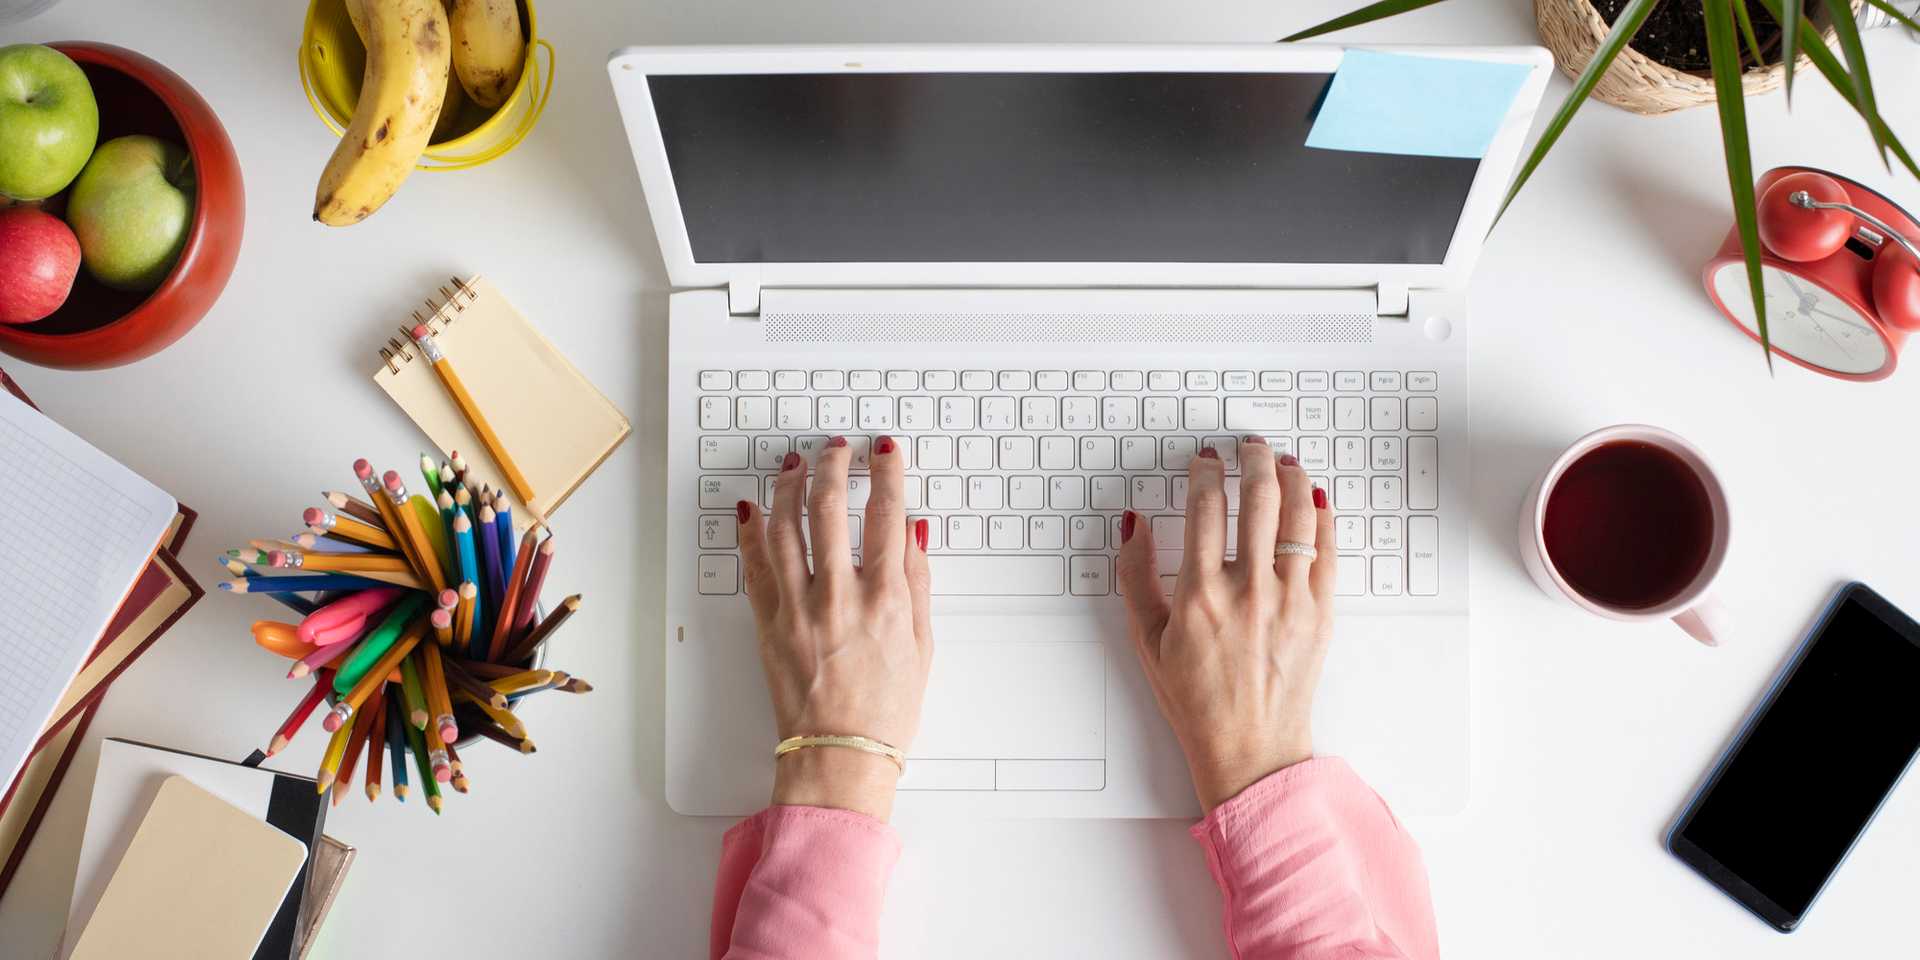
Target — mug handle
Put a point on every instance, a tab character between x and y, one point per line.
1705	621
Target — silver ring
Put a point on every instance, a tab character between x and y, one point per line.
1296	548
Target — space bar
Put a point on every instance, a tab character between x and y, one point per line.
1013	576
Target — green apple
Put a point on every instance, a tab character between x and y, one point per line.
131	208
48	121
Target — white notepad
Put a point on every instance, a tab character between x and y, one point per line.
76	530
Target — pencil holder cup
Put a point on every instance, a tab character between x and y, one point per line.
332	60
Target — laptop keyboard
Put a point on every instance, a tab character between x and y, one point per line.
1023	474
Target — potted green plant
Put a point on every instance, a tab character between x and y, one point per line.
1793	31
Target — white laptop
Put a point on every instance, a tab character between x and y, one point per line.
1053	273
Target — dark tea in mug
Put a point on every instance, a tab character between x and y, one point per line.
1629	525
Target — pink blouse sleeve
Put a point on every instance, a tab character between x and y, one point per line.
802	883
1313	866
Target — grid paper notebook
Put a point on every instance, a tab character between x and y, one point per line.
76	530
555	424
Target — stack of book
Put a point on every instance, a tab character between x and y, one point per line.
161	594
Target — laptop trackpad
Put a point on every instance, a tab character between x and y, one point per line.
989	703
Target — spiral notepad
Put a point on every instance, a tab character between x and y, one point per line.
553	422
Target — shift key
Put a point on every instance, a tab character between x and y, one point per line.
1423	556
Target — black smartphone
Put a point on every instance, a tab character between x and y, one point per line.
1786	802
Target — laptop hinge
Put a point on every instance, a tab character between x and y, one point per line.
1393	300
743	296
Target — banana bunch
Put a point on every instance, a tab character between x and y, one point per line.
409	57
488	49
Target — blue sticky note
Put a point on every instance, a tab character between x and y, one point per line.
1415	106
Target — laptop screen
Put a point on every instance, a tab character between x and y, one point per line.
1039	167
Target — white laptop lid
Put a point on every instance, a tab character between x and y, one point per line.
1043	166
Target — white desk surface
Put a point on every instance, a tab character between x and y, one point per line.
1587	311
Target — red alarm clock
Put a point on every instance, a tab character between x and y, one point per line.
1840	269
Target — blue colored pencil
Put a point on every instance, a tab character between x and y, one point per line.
301	583
299	605
509	548
397	747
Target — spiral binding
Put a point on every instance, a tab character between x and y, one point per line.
400	350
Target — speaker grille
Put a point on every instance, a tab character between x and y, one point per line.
1068	327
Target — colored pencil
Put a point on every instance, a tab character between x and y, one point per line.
425	768
471	410
459	778
356	744
483	670
312	540
419	548
575	685
463	548
355	563
301	712
503	526
376	740
397	748
492	578
459	466
446	475
435	529
354	507
536	579
463	635
344	709
539	635
353	530
509	604
473	721
321	658
439	702
522	682
374	648
458	679
330	761
297	583
499	715
431	474
413	691
299	605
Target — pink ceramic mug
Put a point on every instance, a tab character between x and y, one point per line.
1693	607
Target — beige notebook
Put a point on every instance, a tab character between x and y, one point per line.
202	879
554	423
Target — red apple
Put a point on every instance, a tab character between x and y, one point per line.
39	257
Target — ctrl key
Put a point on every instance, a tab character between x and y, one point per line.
718	575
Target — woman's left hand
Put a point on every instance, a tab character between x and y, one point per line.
846	648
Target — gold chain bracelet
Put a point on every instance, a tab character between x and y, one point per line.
862	744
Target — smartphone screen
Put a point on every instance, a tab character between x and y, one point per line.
1804	778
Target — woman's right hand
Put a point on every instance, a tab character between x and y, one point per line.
1235	654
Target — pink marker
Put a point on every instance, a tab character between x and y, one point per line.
340	619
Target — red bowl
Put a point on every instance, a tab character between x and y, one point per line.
102	327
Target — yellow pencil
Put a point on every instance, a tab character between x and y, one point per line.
471	410
377	675
505	718
439	703
426	561
524	680
330	761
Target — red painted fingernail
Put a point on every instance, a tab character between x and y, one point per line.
1319	499
883	445
1253	438
790	462
920	533
1289	460
837	442
1209	453
1127	520
742	510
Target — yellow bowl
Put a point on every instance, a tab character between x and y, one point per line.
332	62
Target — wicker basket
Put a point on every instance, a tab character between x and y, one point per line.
1573	30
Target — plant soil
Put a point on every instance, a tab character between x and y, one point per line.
1675	34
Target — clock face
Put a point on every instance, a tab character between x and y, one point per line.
1804	319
